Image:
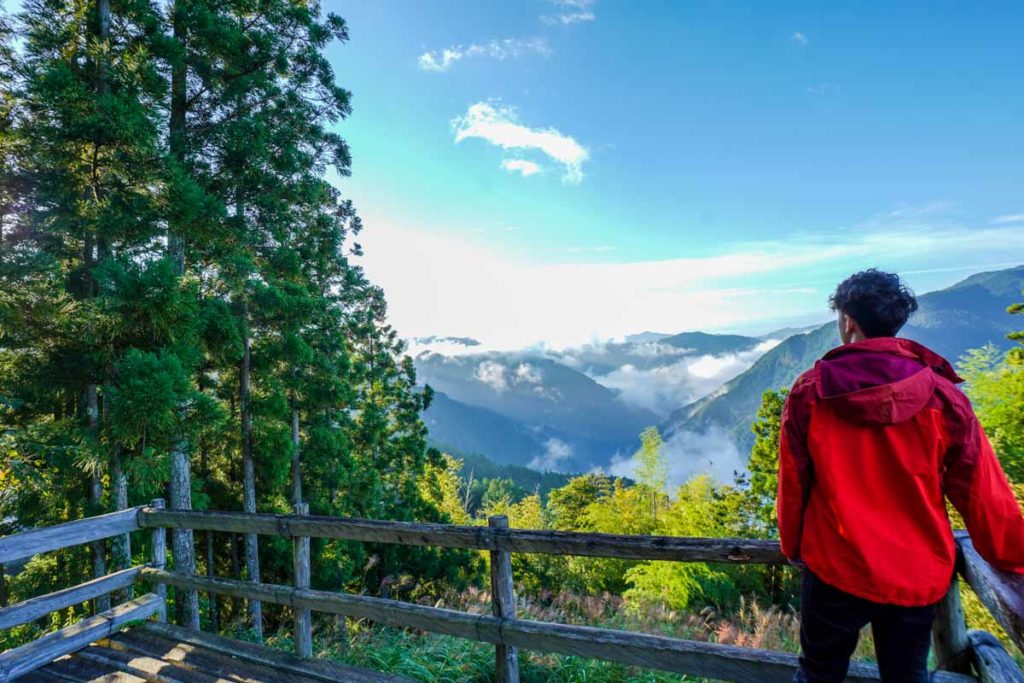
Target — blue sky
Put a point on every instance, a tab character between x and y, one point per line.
587	169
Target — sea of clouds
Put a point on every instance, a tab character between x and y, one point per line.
652	375
688	454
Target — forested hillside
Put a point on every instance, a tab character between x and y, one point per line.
180	313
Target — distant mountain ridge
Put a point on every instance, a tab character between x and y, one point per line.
520	408
571	409
950	321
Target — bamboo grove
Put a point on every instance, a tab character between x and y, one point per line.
180	314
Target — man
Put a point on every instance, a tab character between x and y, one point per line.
873	438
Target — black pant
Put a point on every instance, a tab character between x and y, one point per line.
830	624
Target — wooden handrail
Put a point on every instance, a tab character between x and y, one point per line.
694	658
40	652
78	532
672	548
1002	593
33	608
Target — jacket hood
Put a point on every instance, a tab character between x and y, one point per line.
885	380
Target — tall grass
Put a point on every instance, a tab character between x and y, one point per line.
444	659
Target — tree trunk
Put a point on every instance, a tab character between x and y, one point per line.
252	557
296	462
99	558
182	541
121	545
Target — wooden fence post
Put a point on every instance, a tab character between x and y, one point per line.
949	633
303	615
158	555
503	601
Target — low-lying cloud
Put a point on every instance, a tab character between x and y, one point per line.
661	377
556	454
492	373
688	454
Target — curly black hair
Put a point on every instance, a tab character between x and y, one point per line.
878	301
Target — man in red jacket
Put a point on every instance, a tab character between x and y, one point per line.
874	437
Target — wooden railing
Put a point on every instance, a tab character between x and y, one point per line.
957	650
21	660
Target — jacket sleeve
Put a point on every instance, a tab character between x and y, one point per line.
795	469
976	485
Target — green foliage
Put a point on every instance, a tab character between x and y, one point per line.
995	384
762	478
568	505
143	245
652	471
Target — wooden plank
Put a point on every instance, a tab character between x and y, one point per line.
303	616
36	541
313	669
1001	592
503	603
73	670
150	669
34	608
949	633
994	663
188	656
672	548
711	660
21	660
390	612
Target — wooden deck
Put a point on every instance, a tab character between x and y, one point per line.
160	653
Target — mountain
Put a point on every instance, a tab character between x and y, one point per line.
433	340
570	409
702	343
645	337
459	428
527	409
967	315
787	332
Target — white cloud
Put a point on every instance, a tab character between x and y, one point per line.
442	282
799	37
500	126
570	12
530	374
556	452
688	454
1009	218
500	49
522	166
492	374
664	388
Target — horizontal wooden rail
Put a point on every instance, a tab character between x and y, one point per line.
34	608
993	662
36	541
21	660
1002	593
723	662
726	550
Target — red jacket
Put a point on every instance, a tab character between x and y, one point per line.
873	438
